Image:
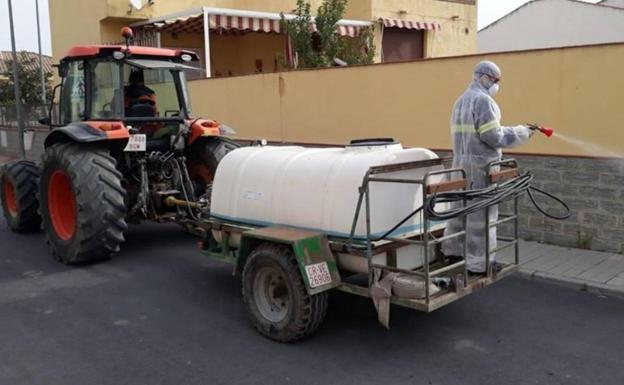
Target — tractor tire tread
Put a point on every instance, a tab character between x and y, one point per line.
99	201
25	177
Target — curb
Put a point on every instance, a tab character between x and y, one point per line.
572	283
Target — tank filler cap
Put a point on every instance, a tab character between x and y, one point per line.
372	142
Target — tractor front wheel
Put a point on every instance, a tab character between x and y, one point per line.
82	203
276	298
18	190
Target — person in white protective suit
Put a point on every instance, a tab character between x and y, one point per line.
478	138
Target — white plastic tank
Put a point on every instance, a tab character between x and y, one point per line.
317	188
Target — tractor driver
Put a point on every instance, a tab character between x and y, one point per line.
139	100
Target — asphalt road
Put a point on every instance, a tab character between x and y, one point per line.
161	313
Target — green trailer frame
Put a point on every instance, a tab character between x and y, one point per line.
312	248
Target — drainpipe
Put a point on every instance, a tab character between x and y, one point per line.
208	64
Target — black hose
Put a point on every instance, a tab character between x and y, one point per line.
490	196
479	199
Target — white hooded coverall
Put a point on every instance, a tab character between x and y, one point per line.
477	140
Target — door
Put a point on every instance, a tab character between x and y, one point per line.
401	44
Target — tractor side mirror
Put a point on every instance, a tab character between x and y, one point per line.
62	69
47	121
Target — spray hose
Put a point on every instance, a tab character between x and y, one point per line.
479	199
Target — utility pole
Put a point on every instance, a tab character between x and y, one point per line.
18	96
43	86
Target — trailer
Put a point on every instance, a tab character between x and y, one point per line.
287	271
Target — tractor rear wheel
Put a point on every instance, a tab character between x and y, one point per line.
204	157
82	203
275	295
19	184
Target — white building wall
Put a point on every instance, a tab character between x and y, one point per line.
553	23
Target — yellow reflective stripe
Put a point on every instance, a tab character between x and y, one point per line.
488	126
464	128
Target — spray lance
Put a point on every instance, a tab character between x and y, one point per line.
548	131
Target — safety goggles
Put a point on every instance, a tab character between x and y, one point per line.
493	79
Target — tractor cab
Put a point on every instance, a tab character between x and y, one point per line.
141	88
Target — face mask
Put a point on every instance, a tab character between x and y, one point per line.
491	87
493	90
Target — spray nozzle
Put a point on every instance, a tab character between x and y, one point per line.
548	131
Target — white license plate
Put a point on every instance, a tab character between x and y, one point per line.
318	274
136	143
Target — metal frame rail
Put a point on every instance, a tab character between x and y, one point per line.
495	175
427	237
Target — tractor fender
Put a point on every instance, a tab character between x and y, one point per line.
202	128
88	132
316	261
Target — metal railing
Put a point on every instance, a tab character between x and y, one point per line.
30	113
494	175
427	238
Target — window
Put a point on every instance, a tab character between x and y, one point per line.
151	86
73	93
401	44
199	64
104	95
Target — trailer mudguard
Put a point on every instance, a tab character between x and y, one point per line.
316	261
88	132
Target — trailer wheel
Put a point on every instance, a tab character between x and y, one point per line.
275	296
19	185
82	203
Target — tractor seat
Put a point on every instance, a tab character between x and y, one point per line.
141	110
161	145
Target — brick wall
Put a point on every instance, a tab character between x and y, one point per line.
594	190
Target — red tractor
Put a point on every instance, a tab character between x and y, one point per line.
122	148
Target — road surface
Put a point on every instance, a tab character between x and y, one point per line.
161	313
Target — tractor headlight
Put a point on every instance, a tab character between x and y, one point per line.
118	55
186	57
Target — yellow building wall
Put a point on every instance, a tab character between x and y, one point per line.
412	101
233	54
119	8
458	21
76	22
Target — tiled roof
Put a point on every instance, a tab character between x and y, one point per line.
25	56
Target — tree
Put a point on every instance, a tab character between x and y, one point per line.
30	81
319	48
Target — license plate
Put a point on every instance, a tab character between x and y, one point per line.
136	143
318	274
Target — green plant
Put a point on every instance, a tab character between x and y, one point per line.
584	241
30	81
318	48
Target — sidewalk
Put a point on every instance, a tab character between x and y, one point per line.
593	271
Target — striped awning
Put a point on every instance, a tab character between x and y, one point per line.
220	23
410	24
238	24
